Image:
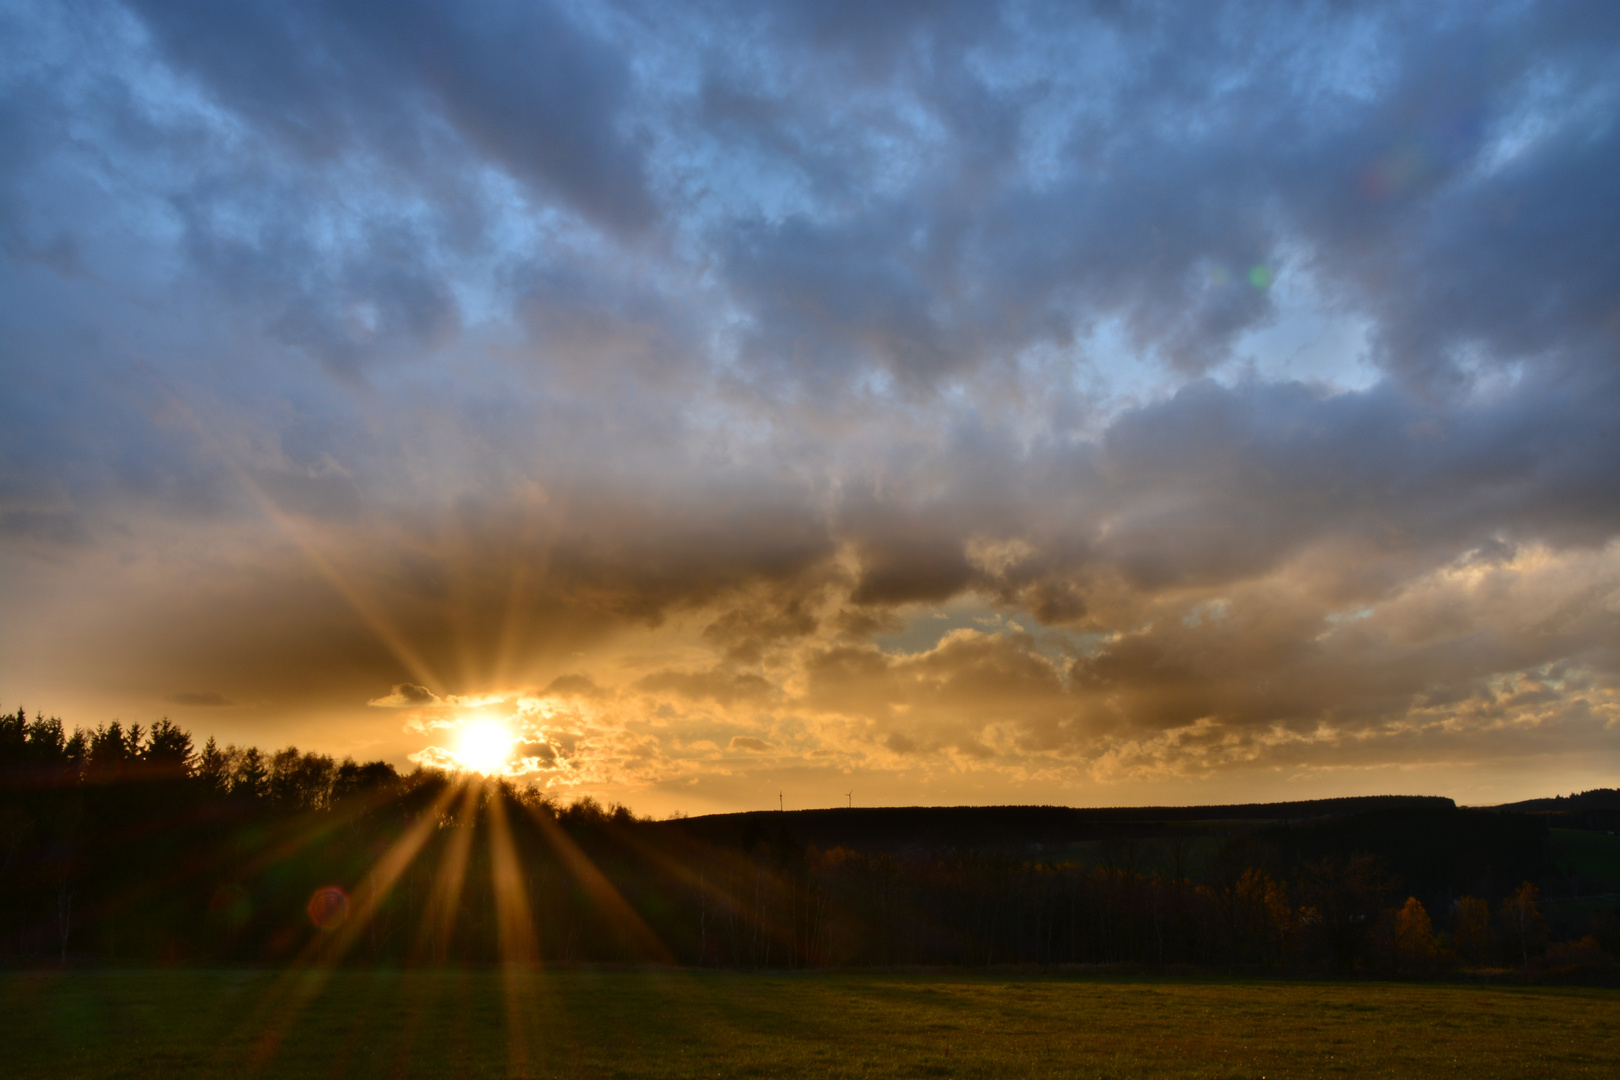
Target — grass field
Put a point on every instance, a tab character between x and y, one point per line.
670	1024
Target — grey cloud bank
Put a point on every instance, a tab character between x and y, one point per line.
1250	369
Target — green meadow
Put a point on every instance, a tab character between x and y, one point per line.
478	1023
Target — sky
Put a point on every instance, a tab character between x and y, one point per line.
732	405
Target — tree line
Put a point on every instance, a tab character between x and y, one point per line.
130	844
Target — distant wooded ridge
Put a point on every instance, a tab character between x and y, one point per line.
895	828
134	845
1596	799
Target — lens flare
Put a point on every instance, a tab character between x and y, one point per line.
328	907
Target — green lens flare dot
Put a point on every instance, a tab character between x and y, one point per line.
1260	276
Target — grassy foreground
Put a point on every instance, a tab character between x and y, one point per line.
679	1024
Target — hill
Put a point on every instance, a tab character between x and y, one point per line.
1597	810
1596	799
899	829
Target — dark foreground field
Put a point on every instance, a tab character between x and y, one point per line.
639	1024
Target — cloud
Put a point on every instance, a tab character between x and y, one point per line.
748	742
205	699
686	361
579	686
522	84
406	695
899	743
436	757
544	755
720	686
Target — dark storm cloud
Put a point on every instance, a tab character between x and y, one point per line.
1218	485
380	297
1221	151
1243	478
436	346
977	198
520	82
461	604
325	164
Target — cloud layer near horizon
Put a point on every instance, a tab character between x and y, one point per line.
985	401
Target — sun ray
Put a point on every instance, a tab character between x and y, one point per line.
506	640
514	926
278	846
685	862
437	927
370	613
514	921
506	645
600	889
301	835
370	894
308	973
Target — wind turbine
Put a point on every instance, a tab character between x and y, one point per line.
850	795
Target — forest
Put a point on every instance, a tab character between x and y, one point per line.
134	845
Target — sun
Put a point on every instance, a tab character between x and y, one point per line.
484	747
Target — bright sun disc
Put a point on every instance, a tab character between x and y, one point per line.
484	747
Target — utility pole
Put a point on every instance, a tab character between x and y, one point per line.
850	795
780	806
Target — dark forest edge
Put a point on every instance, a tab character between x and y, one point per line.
131	845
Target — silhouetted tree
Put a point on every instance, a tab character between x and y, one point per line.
1471	934
1345	896
250	775
1524	929
214	769
168	750
360	781
1415	947
112	751
301	781
124	843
